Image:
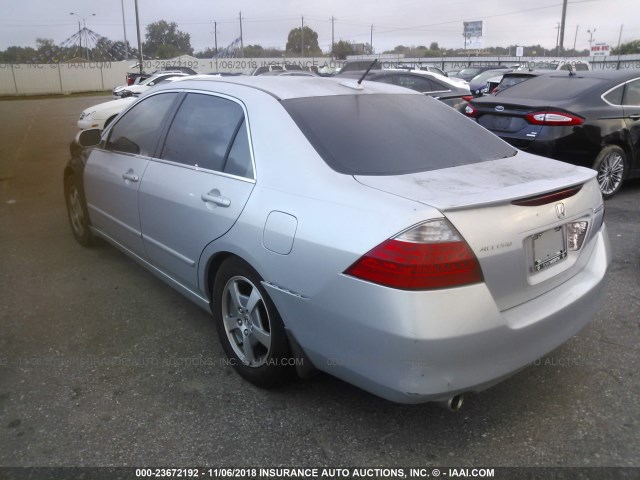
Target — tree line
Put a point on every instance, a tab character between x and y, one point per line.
163	40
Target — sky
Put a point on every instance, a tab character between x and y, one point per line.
267	22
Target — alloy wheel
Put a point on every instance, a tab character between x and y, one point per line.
246	321
610	173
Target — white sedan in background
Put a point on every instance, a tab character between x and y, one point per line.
135	90
101	115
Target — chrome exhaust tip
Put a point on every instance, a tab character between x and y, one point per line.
453	404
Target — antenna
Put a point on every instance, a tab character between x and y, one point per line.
367	71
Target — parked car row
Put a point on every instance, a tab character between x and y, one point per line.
289	67
365	229
453	92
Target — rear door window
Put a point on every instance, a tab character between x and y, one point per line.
209	132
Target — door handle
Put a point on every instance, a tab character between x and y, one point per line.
214	197
129	175
635	116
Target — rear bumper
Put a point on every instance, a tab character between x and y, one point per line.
413	347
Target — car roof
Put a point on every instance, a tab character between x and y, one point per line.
288	87
402	71
486	67
613	75
290	73
529	73
606	78
170	73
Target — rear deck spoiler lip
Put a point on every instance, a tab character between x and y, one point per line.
546	198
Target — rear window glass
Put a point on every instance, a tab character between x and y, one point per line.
469	71
632	94
511	81
391	134
552	87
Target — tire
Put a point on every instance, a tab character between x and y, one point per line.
77	211
611	165
249	327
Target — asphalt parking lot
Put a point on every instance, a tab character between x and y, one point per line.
101	364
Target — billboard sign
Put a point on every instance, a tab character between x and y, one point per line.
473	34
473	29
600	50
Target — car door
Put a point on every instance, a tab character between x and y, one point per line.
631	107
195	191
113	171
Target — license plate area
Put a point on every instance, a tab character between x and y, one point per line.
549	248
501	123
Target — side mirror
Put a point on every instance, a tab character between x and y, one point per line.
89	138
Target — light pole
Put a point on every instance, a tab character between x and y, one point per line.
84	27
591	32
124	29
139	38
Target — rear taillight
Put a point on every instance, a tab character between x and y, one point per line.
429	256
576	232
467	98
554	119
470	111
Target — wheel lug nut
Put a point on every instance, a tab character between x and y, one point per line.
246	332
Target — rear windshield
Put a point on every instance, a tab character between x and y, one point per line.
513	80
552	87
469	71
391	134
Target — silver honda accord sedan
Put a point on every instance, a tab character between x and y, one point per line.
359	229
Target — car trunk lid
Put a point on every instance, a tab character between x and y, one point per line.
510	122
509	239
508	119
